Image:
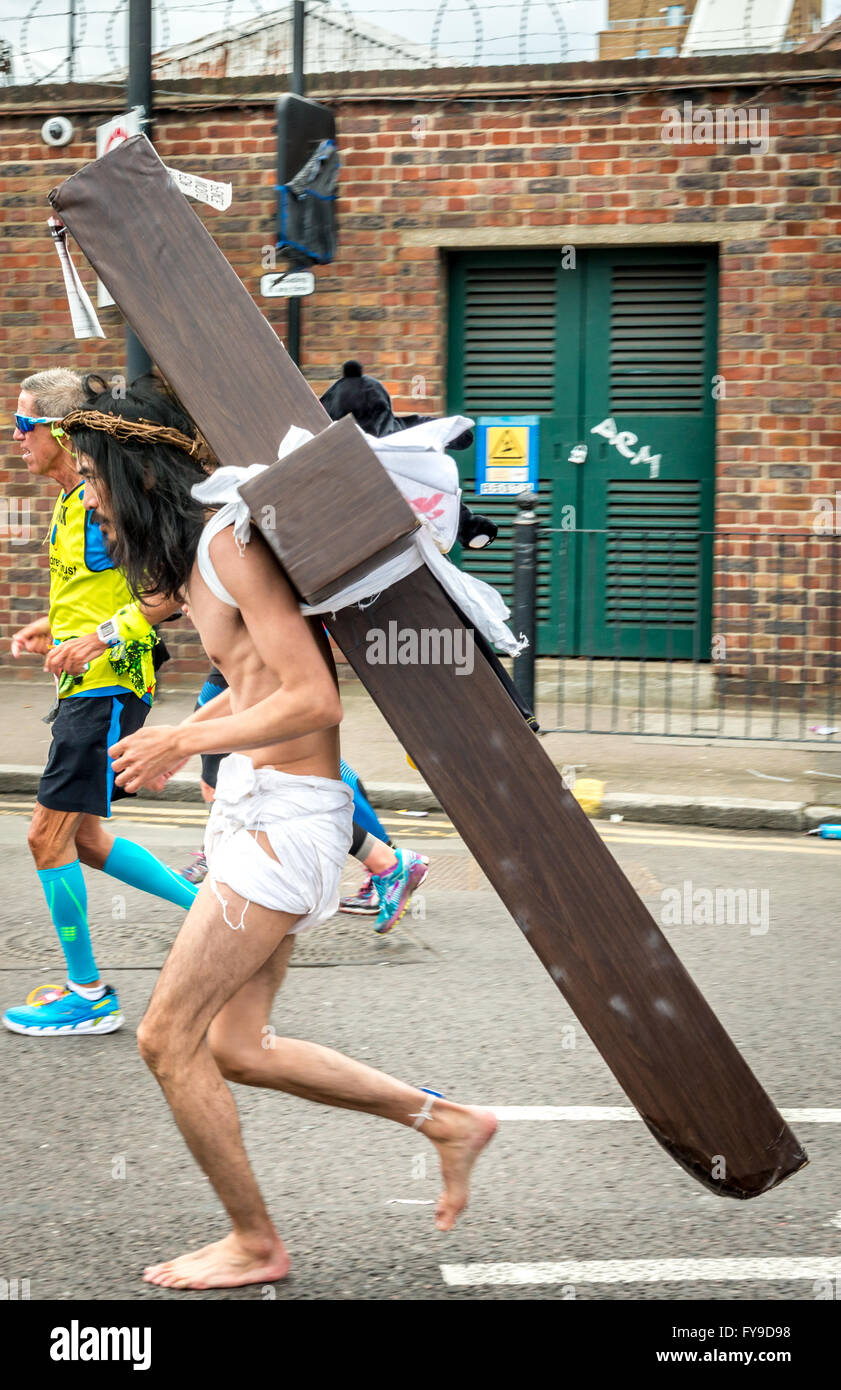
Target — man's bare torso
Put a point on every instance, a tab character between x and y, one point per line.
230	647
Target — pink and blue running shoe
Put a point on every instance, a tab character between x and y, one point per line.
395	889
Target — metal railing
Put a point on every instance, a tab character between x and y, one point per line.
728	634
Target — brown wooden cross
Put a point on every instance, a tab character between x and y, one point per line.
333	512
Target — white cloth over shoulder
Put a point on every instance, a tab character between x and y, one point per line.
428	479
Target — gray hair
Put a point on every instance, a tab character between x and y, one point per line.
57	391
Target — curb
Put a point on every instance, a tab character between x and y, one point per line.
721	813
23	779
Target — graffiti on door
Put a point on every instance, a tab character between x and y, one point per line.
625	442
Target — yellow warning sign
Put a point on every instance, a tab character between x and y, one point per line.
508	447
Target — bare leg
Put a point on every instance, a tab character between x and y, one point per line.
208	964
52	843
52	836
381	860
93	842
247	1052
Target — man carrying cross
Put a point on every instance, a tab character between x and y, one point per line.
276	841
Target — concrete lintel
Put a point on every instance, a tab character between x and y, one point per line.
643	234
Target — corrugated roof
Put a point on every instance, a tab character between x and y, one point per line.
264	44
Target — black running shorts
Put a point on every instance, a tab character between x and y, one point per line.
78	775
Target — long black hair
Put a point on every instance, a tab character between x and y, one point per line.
148	482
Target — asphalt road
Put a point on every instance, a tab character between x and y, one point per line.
97	1182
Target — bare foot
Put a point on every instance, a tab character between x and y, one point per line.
226	1264
459	1133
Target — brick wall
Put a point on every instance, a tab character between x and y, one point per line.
517	159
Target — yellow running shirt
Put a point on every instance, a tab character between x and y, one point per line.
85	589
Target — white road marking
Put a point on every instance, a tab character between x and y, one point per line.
578	1114
641	1271
812	1117
574	1113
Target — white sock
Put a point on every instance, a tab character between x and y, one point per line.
87	991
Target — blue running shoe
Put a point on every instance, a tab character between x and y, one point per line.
54	1009
395	889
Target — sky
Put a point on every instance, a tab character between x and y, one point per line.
556	30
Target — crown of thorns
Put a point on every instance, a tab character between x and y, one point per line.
121	428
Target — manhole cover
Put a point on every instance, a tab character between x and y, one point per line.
142	936
117	946
142	940
352	941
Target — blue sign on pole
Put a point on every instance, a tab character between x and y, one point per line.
507	454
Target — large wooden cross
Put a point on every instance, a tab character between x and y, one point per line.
328	511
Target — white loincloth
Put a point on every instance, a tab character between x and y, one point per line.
308	822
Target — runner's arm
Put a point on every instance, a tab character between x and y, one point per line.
36	638
76	653
214	709
307	697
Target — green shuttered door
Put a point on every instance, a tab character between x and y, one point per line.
625	337
657	338
509	339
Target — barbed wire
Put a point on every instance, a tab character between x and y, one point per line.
109	30
553	6
555	12
31	14
200	7
477	27
482	44
275	9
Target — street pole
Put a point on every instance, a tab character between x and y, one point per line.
139	93
296	85
71	41
525	592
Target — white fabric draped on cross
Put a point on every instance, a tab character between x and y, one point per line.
428	478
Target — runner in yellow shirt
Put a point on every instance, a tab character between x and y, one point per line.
98	645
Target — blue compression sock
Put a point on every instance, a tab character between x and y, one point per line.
363	812
133	864
67	899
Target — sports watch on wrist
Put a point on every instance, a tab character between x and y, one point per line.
108	632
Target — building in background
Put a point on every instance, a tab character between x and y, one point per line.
828	37
335	42
539	241
750	26
646	29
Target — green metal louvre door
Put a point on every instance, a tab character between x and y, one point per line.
626	337
649	358
508	356
509	339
